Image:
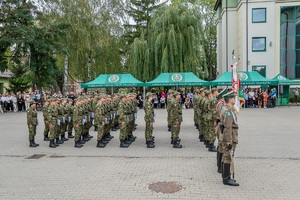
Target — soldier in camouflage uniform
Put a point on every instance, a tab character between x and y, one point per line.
70	118
169	106
53	113
176	113
64	122
211	120
149	119
100	122
59	121
200	114
132	107
46	120
77	122
32	123
123	121
115	102
196	109
219	108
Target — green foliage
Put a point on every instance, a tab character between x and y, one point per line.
20	80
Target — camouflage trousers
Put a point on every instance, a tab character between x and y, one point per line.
220	143
211	132
32	132
226	154
100	131
123	134
53	130
46	130
78	132
57	132
107	128
175	131
63	127
86	127
70	126
149	130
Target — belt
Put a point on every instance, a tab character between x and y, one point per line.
234	127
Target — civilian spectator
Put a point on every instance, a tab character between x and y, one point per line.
20	102
296	95
155	100
14	102
187	102
27	100
246	97
260	98
273	97
251	98
265	98
162	101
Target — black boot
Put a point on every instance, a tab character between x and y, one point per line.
81	141
85	138
35	143
32	144
58	141
151	140
169	128
70	135
201	138
52	144
96	128
89	136
46	138
177	144
150	144
78	145
110	136
123	144
227	180
212	148
219	161
104	141
113	128
173	142
100	144
132	137
63	138
117	126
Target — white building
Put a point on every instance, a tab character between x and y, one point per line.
265	35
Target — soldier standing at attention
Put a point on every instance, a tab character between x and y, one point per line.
59	121
100	122
123	121
53	123
219	107
169	106
149	119
211	109
46	120
70	119
77	121
195	106
64	123
206	117
230	136
200	113
176	120
32	123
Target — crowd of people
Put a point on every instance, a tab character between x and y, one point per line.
259	98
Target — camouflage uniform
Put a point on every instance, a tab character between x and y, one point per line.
53	113
176	113
32	123
211	119
149	119
46	122
123	122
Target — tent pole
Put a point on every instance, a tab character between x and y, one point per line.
112	90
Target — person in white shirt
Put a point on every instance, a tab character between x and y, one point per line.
251	98
296	95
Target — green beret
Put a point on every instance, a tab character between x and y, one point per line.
32	102
176	93
221	94
229	95
202	90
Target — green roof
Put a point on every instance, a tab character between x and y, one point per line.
113	80
247	78
284	81
177	79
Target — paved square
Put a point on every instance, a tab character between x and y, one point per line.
267	162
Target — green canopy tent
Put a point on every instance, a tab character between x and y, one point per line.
284	89
113	80
177	79
247	78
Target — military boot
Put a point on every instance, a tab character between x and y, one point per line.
89	136
46	138
150	144
169	128
96	128
131	138
212	148
58	141
32	144
78	145
177	144
201	138
70	135
110	136
105	140
52	144
81	141
85	138
100	144
113	128
117	126
123	144
63	138
35	143
219	162
227	180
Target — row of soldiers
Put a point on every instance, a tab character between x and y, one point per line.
105	112
216	118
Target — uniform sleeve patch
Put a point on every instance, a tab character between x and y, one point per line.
228	113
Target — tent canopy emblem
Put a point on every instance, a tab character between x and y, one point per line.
281	78
176	77
113	78
243	76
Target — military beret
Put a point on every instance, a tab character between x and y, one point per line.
176	93
202	89
207	92
31	102
229	95
149	94
214	90
224	91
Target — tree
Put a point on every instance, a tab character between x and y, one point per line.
173	45
20	80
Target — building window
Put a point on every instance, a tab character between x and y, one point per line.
290	42
259	15
258	44
261	69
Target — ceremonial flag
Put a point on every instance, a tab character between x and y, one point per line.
237	89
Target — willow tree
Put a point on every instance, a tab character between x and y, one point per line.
174	44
